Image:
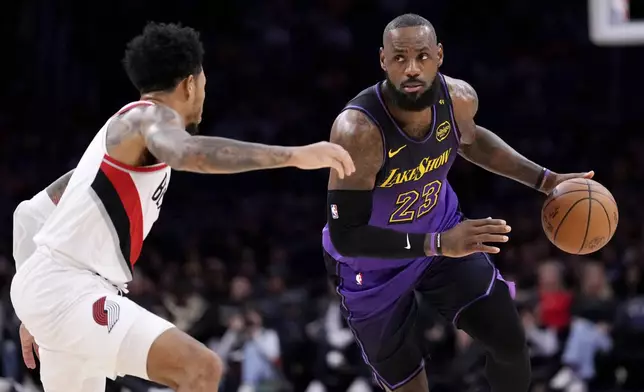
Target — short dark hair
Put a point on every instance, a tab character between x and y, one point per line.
408	20
162	56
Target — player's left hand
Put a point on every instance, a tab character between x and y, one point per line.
555	179
29	345
321	155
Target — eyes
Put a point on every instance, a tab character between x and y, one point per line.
421	57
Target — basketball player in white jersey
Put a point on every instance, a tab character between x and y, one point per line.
68	293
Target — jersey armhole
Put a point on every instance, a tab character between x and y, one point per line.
116	163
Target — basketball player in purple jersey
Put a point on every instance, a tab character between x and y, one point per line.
394	229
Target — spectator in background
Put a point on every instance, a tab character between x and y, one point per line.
185	305
257	348
543	342
629	342
339	365
630	283
554	299
594	312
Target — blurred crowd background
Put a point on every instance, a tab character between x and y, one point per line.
236	261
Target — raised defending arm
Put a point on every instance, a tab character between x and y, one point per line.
350	199
166	138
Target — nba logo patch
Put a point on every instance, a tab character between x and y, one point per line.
334	211
359	279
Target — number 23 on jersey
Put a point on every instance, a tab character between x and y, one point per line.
412	205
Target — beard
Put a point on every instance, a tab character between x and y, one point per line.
192	128
414	102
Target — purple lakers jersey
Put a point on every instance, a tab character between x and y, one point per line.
412	193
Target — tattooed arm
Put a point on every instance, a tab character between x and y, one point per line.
485	149
358	135
166	139
55	189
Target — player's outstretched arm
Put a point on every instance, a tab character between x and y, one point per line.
166	138
350	199
483	148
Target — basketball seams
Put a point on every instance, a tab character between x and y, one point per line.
573	191
590	211
610	225
554	237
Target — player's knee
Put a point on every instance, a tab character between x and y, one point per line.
203	371
514	349
182	363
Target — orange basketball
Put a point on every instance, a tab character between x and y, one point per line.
580	216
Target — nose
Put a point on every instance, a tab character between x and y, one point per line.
413	69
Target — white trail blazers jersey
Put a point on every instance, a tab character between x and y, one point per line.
106	212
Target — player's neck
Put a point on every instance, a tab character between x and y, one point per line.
167	100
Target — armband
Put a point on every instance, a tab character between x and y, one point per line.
348	214
541	180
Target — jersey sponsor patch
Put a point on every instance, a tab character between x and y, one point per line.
106	313
334	211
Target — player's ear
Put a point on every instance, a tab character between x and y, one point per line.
191	86
382	59
440	54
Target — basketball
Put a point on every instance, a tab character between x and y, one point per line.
580	216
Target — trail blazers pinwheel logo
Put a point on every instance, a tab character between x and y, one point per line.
106	313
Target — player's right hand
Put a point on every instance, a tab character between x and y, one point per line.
471	236
29	345
321	155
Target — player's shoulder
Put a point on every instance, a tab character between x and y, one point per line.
131	121
353	126
462	94
143	112
459	89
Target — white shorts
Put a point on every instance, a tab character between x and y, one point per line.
86	331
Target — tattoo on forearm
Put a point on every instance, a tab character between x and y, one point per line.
219	155
166	139
56	189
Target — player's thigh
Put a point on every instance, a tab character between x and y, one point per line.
136	346
451	285
101	327
64	372
391	343
383	324
153	349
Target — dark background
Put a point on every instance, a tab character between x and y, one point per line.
278	72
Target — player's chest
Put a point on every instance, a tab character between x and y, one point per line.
411	162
